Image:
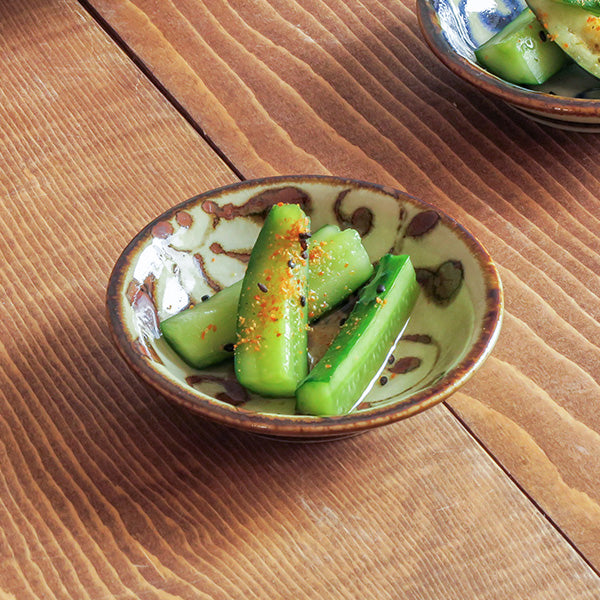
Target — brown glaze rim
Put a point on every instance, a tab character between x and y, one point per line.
303	426
475	75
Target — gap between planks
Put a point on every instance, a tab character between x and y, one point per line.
516	483
143	67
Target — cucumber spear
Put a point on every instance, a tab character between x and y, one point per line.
359	352
271	351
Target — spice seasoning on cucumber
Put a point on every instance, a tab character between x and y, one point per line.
575	27
359	352
205	334
271	335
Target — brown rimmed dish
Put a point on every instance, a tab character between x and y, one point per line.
202	245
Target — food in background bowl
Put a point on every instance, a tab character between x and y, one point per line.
521	52
537	45
455	29
574	26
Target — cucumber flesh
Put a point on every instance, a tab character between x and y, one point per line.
522	52
205	334
576	30
358	353
324	233
271	351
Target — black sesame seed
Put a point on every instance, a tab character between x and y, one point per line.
304	235
342	321
380	288
391	359
262	287
228	347
543	36
205	298
383	380
291	264
304	254
302	300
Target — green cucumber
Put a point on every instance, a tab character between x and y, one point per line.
359	352
324	233
522	52
338	265
271	350
205	334
592	6
575	29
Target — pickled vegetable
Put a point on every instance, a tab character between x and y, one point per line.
522	52
271	351
359	352
575	29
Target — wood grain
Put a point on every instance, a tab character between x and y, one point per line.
106	491
350	88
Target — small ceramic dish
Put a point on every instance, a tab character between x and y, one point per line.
202	245
453	29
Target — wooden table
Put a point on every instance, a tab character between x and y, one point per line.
111	111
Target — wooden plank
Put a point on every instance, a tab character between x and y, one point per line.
349	87
106	491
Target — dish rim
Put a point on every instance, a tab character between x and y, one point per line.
301	426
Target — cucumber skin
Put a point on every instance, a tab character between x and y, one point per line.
360	350
216	318
592	6
521	57
271	351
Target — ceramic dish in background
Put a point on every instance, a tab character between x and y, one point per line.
454	28
203	244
